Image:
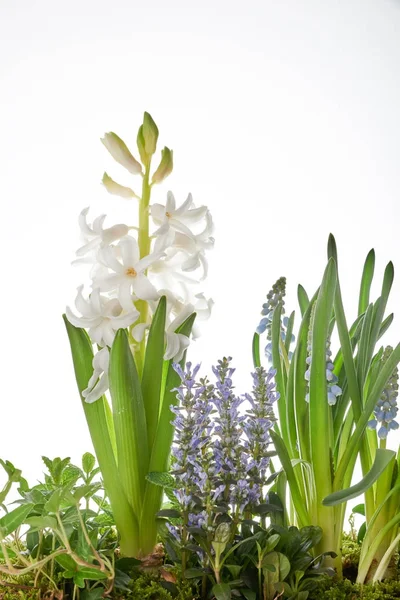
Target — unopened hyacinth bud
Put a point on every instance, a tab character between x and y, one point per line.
165	167
116	189
150	134
386	408
120	152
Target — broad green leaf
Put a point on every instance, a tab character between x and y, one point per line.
194	573
102	433
152	370
249	594
289	332
281	564
366	280
382	459
42	522
14	519
88	462
222	591
279	376
129	420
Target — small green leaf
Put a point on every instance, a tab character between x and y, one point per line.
88	462
359	509
41	522
164	480
249	594
382	459
14	519
169	513
193	573
222	591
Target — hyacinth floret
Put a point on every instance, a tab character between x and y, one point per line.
386	409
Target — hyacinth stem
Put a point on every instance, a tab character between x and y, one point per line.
144	249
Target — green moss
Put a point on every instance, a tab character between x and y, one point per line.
14	593
146	587
346	590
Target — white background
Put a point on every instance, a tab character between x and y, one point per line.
284	119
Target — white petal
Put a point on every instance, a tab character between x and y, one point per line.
172	346
109	332
194	215
83	223
157	212
96	333
101	360
125	293
81	322
143	288
178	226
94	243
183	345
98	224
83	305
144	263
98	391
107	256
108	282
129	251
95	301
114	233
125	320
170	204
138	331
192	263
185	206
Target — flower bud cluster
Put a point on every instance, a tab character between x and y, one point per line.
386	409
274	297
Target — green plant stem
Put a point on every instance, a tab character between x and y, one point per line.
144	242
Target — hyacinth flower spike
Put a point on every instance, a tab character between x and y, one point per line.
134	335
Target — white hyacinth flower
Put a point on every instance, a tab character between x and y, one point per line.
95	236
128	276
98	383
117	189
102	316
177	219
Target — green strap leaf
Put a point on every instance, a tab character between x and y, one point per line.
382	459
366	281
162	446
129	420
320	420
302	299
152	370
14	519
256	350
298	500
99	420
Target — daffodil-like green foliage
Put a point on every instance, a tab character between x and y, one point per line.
335	408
